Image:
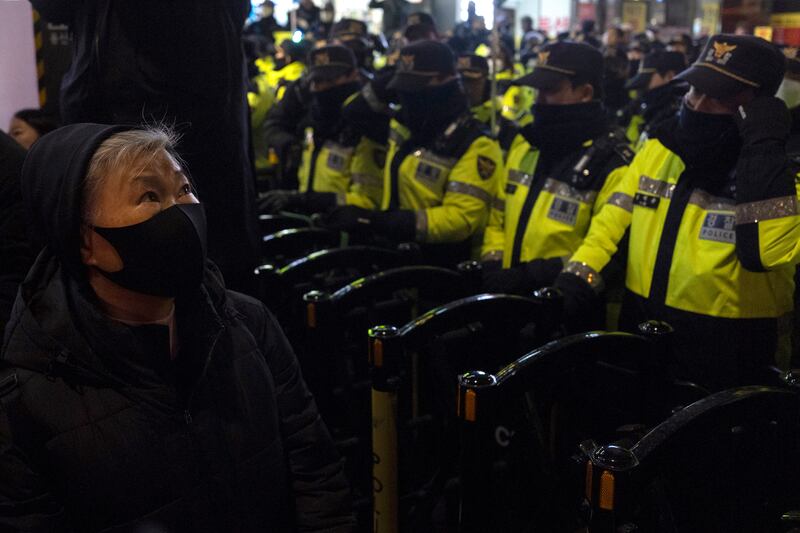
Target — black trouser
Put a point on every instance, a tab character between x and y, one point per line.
717	353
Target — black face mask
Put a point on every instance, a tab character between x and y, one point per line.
428	112
560	129
708	141
326	107
703	128
162	256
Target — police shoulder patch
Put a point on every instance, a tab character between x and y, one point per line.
486	167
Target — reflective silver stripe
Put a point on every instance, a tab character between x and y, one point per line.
338	149
494	255
365	179
520	177
621	200
559	188
422	225
396	137
429	157
375	103
708	202
785	206
341	198
656	187
586	273
498	204
470	190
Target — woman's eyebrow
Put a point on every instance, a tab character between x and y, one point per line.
148	180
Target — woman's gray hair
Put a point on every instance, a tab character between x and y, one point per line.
137	147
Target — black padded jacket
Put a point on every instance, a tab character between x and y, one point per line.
100	430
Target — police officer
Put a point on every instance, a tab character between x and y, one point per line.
353	34
660	99
441	165
711	208
337	158
271	84
284	128
420	26
474	72
558	174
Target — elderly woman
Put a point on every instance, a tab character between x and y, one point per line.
136	393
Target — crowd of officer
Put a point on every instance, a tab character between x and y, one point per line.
643	180
663	164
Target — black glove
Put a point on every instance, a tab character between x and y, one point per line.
583	308
763	171
320	202
765	118
523	279
399	225
348	218
503	280
279	200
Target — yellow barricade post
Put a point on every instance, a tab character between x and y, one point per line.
385	383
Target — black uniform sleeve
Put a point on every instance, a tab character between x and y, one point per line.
321	493
766	197
283	125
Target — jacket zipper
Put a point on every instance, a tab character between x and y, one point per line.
187	411
670	229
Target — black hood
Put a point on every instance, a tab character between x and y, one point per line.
52	187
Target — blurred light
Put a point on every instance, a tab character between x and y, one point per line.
297	36
483	8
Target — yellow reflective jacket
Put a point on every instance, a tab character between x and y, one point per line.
483	112
634	129
366	174
448	184
536	216
717	256
324	166
516	102
353	169
271	88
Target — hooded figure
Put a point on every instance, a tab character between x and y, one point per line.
135	391
181	63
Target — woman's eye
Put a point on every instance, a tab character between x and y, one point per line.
149	196
186	189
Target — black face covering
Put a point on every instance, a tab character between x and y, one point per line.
162	256
280	62
428	112
707	140
660	99
560	129
326	107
